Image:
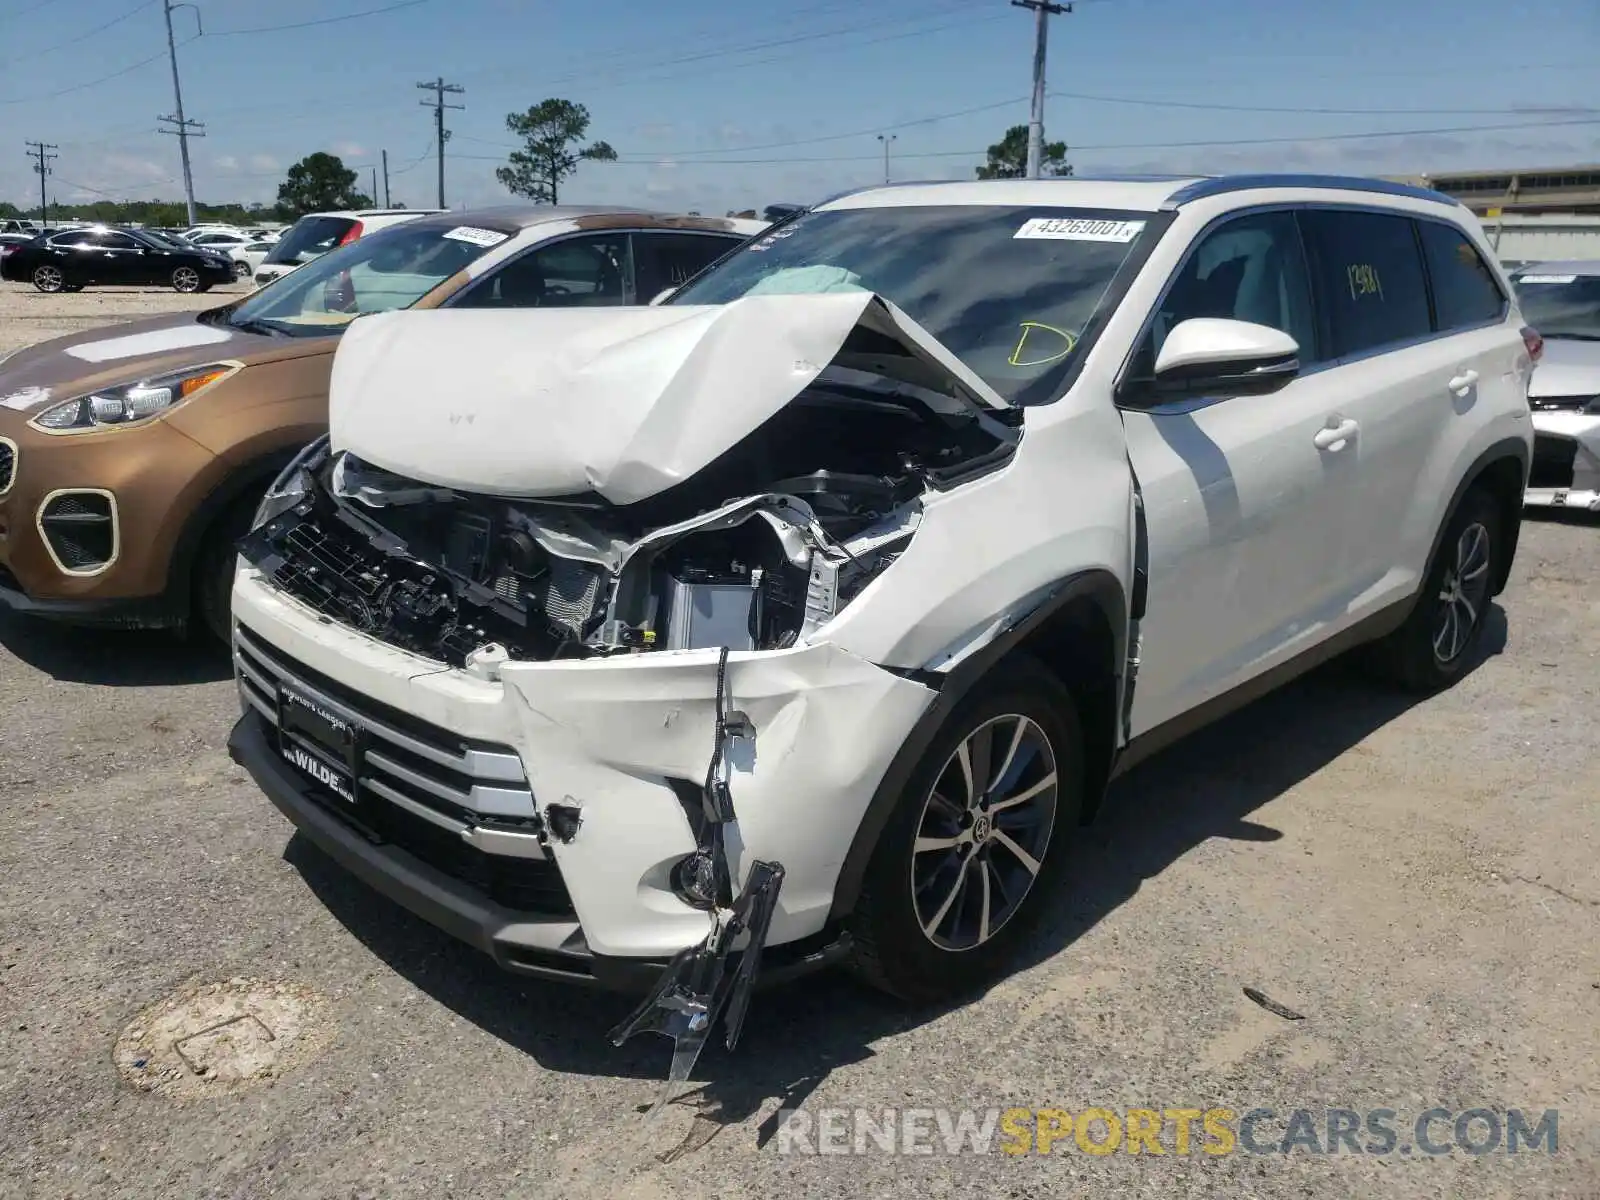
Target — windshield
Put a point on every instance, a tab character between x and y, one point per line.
393	268
1560	306
1009	291
161	240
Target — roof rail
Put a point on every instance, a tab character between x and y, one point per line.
1221	185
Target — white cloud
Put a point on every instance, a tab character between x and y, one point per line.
349	149
263	162
227	163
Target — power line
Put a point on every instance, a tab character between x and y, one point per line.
417	162
83	37
440	134
79	87
1327	112
653	160
371	12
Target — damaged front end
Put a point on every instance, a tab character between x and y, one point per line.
749	538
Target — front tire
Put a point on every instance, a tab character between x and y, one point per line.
241	270
977	843
212	606
185	279
49	279
1440	638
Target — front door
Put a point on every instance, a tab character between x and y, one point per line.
1247	498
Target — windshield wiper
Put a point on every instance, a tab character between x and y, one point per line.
253	326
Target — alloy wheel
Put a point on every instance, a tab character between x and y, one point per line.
186	279
984	832
1464	594
241	270
48	279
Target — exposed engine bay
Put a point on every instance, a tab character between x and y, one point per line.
828	492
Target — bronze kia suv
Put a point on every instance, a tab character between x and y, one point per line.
132	458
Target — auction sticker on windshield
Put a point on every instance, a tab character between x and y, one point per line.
1547	279
478	237
1079	229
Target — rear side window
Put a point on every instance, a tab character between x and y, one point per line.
1465	291
1369	277
672	259
309	238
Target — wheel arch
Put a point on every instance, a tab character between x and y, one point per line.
1502	471
253	475
1079	631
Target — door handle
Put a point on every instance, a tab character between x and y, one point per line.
1333	437
1463	382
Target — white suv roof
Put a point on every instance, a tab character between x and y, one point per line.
1138	193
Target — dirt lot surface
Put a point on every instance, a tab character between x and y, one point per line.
1420	882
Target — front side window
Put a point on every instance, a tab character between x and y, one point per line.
669	260
1252	268
577	272
1465	290
392	269
1369	276
1560	305
1008	290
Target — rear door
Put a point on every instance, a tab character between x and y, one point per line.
1413	362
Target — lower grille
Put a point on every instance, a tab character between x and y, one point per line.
1552	461
439	797
81	530
8	464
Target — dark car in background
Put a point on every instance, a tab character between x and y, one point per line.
77	258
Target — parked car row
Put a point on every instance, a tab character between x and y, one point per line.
71	261
652	601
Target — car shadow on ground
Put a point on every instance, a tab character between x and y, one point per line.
1205	787
113	657
1581	518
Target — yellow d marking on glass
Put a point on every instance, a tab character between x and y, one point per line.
1016	359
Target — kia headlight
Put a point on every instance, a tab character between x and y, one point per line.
293	484
130	403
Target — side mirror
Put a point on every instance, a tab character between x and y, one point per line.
1217	356
661	296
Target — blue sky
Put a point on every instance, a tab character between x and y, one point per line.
717	104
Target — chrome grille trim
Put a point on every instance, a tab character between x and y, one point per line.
501	767
436	798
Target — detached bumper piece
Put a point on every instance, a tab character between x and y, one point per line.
697	986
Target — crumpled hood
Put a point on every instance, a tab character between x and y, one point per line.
623	402
1567	367
76	363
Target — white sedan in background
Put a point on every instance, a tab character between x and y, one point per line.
249	257
1562	301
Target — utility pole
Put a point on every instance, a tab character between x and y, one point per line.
440	135
886	141
374	187
185	129
41	151
1043	10
386	203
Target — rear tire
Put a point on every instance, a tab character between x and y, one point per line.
962	873
49	279
241	270
1440	639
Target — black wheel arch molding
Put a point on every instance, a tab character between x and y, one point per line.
255	475
1496	459
1091	595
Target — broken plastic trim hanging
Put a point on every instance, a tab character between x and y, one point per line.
697	987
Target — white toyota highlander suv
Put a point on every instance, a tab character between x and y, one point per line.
804	617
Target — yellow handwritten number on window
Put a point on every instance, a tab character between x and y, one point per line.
1364	281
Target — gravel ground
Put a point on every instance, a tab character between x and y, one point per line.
1420	882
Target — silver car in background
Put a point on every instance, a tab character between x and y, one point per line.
1562	301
